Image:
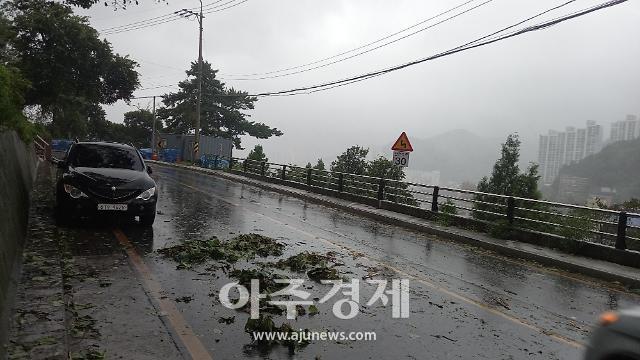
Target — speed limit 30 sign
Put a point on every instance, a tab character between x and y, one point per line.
401	150
401	158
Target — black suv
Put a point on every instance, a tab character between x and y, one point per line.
100	178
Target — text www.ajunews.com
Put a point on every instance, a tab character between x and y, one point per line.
305	335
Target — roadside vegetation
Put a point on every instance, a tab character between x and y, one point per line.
48	90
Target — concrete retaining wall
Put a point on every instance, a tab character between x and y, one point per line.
18	163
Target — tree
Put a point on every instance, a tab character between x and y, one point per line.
506	179
352	161
6	34
319	165
115	4
139	125
386	169
70	69
223	111
12	88
257	154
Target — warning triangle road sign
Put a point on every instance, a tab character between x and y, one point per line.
402	144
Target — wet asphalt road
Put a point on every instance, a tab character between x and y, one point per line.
464	302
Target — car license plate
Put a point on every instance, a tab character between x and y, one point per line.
116	207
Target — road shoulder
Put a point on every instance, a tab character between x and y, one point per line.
78	297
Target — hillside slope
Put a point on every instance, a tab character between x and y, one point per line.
616	166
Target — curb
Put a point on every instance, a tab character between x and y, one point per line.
423	226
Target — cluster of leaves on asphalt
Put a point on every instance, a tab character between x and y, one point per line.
264	323
267	280
316	265
303	261
248	247
245	246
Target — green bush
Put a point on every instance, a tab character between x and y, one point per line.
446	213
501	229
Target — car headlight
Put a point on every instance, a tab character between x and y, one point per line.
146	195
608	318
73	191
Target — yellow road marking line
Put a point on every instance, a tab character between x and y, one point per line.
426	282
187	337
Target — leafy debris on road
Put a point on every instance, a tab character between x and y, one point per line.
245	246
295	339
89	355
184	299
313	310
323	273
303	261
227	320
267	280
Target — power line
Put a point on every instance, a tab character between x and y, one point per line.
141	22
226	77
168	18
357	48
225	8
158	87
368	50
488	39
479	42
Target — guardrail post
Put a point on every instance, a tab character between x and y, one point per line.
340	182
244	165
215	162
434	200
230	163
309	170
381	189
621	239
511	207
262	168
284	169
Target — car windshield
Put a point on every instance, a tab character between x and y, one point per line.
104	156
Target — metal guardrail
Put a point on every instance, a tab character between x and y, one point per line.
42	147
607	227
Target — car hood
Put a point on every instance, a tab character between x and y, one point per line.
107	177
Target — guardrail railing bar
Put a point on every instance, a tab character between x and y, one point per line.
391	190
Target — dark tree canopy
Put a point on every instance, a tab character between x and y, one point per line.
70	69
257	154
506	178
115	4
139	124
135	130
319	165
352	161
385	168
223	109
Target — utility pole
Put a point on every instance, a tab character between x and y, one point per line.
187	13
153	131
196	149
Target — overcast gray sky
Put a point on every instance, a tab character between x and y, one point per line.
583	69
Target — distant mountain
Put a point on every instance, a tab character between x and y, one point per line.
616	166
459	155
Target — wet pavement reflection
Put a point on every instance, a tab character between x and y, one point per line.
465	302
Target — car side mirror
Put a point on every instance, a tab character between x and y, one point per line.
149	171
